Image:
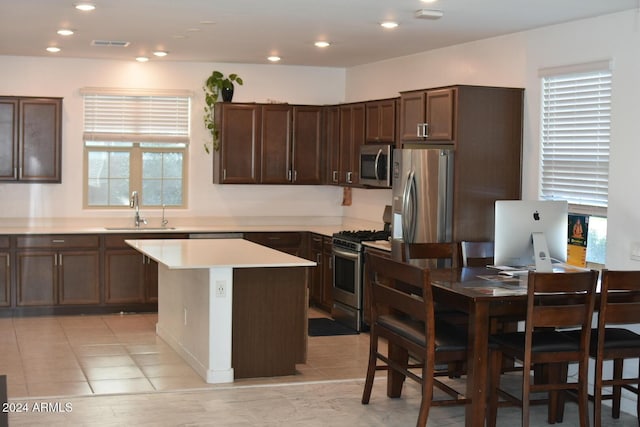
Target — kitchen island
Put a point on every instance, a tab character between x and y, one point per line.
231	308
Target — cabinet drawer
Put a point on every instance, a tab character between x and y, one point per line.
58	241
276	240
4	242
116	241
315	242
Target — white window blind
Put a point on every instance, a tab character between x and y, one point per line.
136	118
575	133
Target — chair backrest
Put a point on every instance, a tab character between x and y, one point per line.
561	300
400	287
439	254
619	298
477	254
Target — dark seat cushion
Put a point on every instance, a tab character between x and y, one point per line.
542	341
448	337
614	338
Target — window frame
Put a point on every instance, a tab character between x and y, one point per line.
132	122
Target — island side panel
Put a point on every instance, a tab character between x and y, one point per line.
269	321
185	320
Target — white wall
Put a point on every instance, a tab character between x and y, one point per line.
59	77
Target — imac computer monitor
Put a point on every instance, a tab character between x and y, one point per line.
522	225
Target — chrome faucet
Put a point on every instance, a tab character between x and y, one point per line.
133	203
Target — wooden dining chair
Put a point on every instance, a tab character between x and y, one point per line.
619	305
476	254
402	314
438	254
554	300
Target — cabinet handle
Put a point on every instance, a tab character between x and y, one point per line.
425	131
57	241
60	263
419	130
8	261
289	175
335	176
349	175
318	259
224	174
295	175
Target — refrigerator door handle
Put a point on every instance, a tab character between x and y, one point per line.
408	209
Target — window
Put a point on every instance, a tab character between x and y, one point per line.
135	141
575	138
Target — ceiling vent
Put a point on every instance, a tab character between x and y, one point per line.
429	14
110	43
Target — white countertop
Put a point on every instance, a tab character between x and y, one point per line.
383	245
319	225
215	253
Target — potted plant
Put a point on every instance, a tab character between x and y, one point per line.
215	86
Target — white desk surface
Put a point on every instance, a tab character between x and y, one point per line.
215	253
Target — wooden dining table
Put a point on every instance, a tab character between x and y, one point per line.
482	294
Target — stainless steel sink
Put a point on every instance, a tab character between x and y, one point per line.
139	228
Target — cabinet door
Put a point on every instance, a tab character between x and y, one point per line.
352	136
327	274
8	139
239	143
124	276
440	114
36	278
5	275
332	135
381	121
315	279
275	156
40	140
79	277
307	145
150	280
412	114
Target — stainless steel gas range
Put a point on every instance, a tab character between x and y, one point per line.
348	289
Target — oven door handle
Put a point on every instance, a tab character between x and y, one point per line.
349	255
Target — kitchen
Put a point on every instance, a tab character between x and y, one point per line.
510	60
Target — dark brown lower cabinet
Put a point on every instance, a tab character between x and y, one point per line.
5	279
124	276
57	270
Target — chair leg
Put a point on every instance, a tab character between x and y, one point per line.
526	394
395	379
495	370
371	368
427	393
557	374
597	393
617	390
583	394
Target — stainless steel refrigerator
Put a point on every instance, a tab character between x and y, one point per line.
422	197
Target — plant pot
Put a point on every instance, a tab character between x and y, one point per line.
227	94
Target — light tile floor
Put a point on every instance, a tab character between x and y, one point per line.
113	370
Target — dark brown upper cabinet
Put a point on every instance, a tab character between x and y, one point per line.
30	139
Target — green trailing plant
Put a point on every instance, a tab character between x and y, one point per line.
213	87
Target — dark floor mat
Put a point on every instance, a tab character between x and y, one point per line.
323	327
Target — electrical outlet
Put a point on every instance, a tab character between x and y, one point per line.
221	288
635	251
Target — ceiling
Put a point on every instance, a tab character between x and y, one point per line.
247	31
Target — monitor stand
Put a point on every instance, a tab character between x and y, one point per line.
541	253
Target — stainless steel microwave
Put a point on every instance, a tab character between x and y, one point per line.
375	165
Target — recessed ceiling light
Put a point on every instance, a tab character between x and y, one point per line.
53	49
322	44
85	7
389	24
160	53
65	32
428	1
142	59
274	58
